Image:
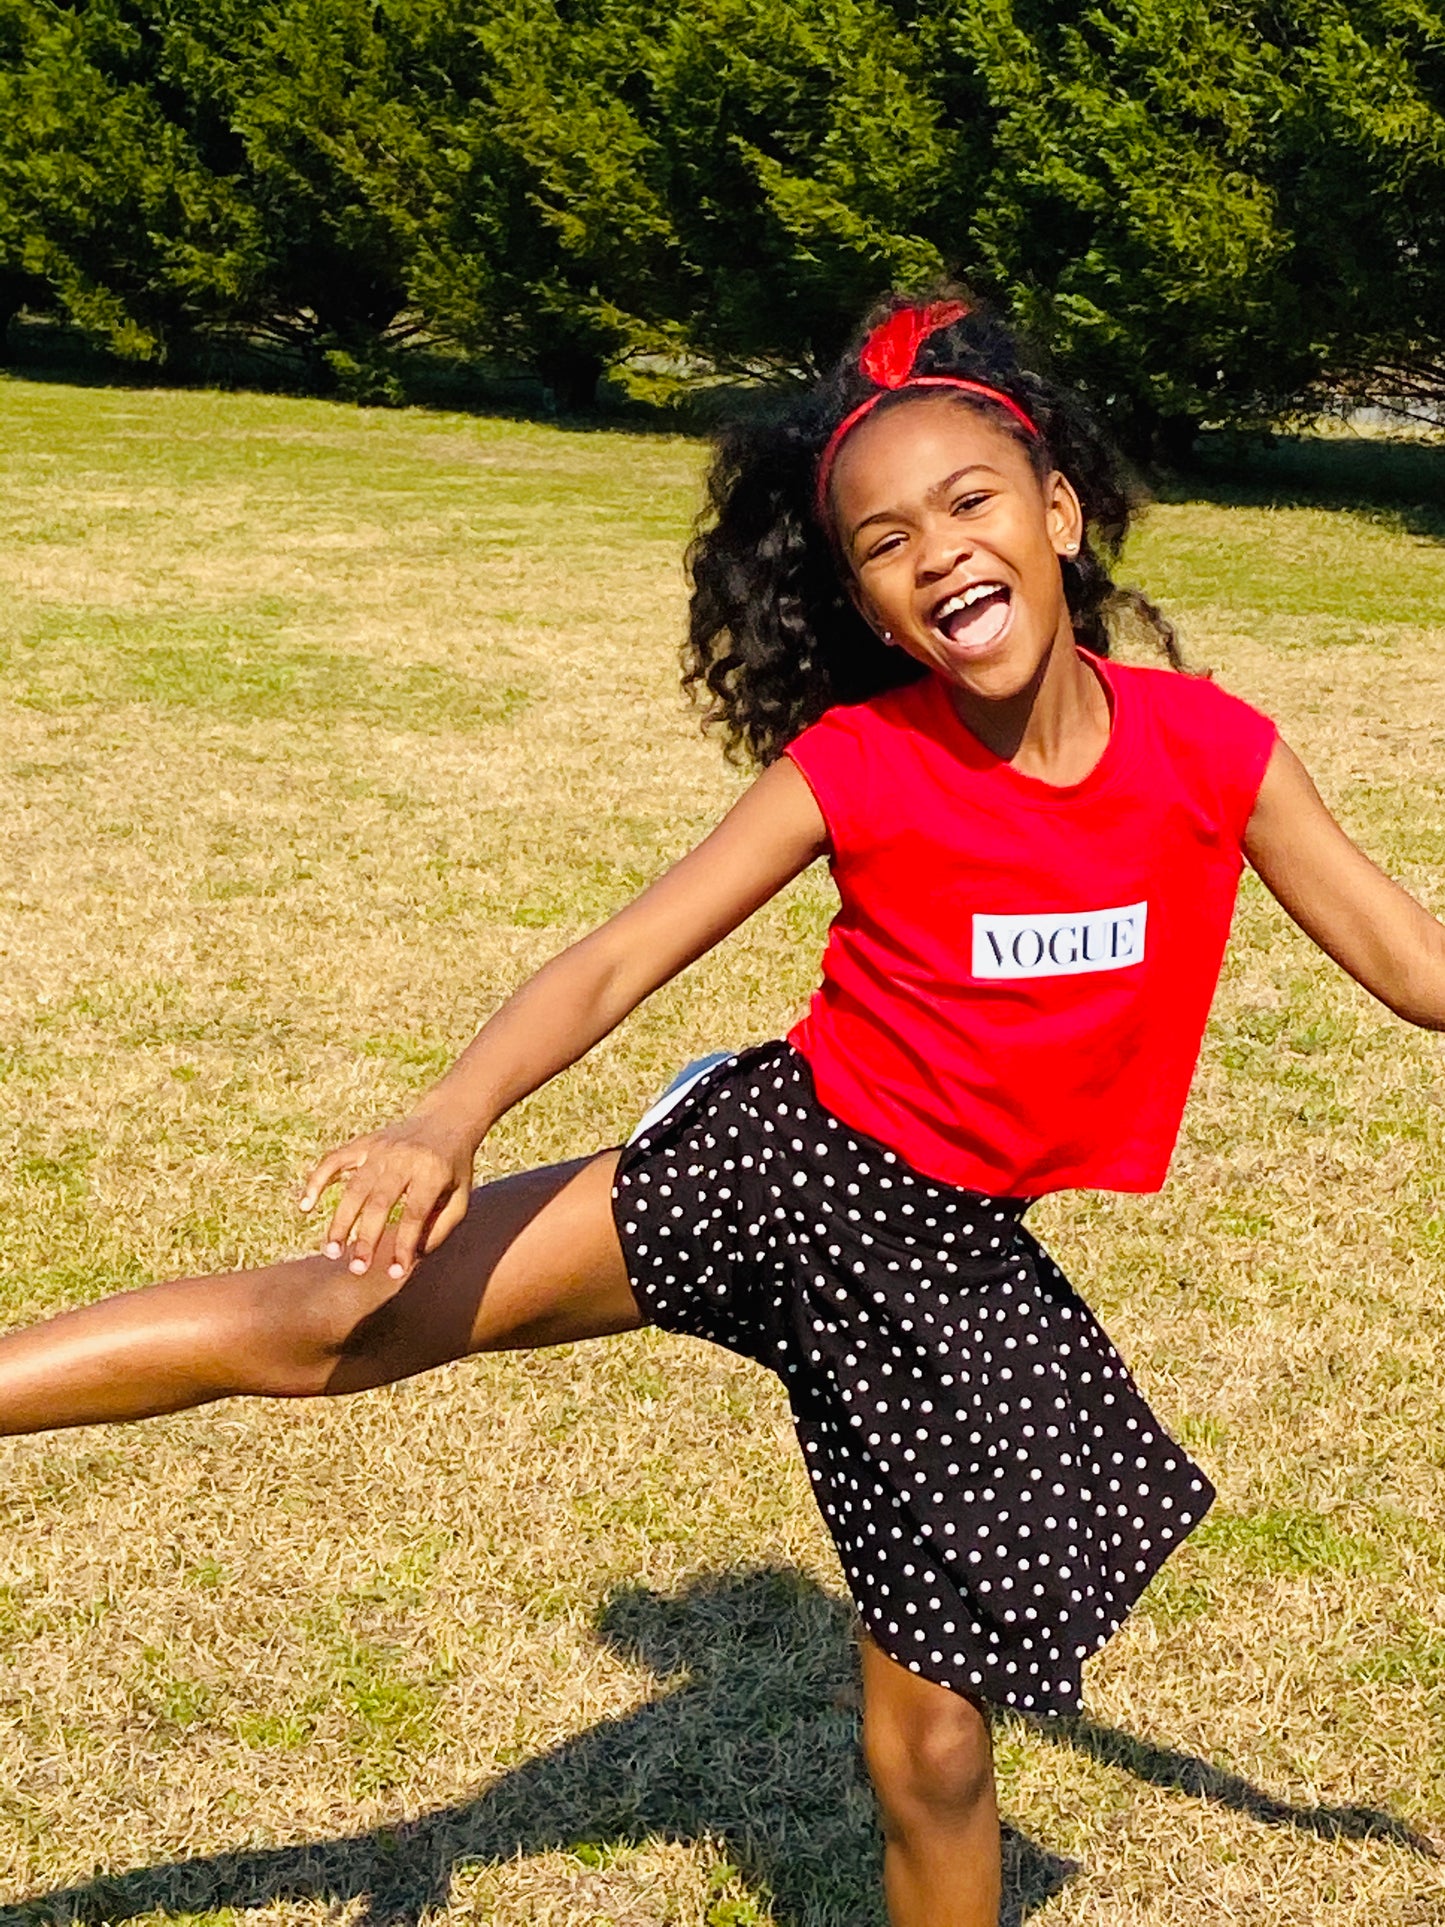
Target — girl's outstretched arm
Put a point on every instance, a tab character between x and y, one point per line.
424	1161
1370	925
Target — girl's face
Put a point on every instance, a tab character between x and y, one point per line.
954	541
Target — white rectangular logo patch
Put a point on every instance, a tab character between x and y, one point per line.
1059	946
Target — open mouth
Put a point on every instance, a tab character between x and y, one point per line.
976	616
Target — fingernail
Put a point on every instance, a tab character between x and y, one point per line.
394	1271
306	1203
333	1250
358	1264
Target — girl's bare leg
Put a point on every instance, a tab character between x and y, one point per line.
931	1762
535	1261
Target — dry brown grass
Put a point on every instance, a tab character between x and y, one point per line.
320	730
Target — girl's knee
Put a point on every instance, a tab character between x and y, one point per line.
929	1760
303	1318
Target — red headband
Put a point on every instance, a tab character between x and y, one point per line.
887	359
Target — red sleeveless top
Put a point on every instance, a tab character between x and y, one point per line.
1016	984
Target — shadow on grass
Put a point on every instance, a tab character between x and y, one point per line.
751	1745
1399	480
1163	1766
53	355
1400	483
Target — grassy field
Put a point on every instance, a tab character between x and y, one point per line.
319	729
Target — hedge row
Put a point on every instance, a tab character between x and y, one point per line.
1211	211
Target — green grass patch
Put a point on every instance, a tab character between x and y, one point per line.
1415	1659
1178	1597
243	665
1289	1541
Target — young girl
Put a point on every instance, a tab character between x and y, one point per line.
901	611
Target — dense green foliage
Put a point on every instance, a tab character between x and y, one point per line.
1209	211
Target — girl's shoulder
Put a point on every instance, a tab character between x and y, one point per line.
876	718
1213	745
857	751
1184	699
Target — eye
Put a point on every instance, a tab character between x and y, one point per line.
965	504
885	545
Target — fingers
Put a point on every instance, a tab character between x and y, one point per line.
422	1228
416	1183
432	1186
370	1222
349	1207
449	1217
349	1157
366	1203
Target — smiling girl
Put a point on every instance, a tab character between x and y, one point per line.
902	609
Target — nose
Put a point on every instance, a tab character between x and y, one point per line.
943	546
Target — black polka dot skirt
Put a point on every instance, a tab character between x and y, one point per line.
998	1491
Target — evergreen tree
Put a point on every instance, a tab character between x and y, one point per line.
1211	210
807	160
104	200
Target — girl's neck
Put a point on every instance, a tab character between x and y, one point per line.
1055	729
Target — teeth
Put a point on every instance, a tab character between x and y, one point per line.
976	592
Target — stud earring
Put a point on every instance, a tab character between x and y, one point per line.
886	635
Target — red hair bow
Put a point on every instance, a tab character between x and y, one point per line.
891	350
887	360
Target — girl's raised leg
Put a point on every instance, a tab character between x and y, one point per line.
930	1758
535	1261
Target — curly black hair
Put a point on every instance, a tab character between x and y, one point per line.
773	638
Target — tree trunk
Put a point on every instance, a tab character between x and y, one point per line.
15	291
1175	439
572	376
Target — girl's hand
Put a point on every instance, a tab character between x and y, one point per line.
422	1163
